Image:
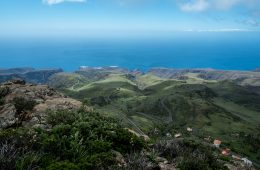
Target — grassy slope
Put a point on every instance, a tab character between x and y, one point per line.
145	102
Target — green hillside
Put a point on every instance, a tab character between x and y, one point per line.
146	103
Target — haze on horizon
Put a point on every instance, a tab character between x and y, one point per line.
72	18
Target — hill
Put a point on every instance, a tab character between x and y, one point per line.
36	76
222	106
42	129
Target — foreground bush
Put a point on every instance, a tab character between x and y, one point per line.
77	140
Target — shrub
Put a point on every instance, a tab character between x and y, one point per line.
194	164
98	161
62	116
188	154
8	156
4	91
21	104
28	160
225	158
63	165
16	149
2	101
77	140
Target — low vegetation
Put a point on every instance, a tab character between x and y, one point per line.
3	92
77	140
218	109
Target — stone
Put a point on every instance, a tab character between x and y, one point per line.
18	81
44	97
7	116
164	166
120	159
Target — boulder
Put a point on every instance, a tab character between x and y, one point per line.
43	97
7	116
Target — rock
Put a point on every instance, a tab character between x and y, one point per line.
161	160
7	116
44	97
57	104
145	137
164	166
18	81
120	159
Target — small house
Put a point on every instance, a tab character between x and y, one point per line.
247	162
217	143
225	152
177	135
189	129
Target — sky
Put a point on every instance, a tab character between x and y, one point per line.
74	18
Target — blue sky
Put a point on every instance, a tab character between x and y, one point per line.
125	17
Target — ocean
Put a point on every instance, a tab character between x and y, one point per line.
229	51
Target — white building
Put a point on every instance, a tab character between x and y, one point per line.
247	162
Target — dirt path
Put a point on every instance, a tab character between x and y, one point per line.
73	87
126	118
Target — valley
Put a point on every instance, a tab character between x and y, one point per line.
220	106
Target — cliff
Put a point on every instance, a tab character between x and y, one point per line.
31	75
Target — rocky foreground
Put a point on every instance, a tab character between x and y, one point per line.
37	99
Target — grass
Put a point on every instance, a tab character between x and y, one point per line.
218	109
238	110
147	80
143	122
193	78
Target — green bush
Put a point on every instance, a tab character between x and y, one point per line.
62	117
225	158
28	161
194	164
84	139
98	161
63	165
21	104
4	91
2	101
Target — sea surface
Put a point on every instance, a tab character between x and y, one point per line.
229	51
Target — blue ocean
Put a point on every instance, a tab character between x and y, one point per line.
229	51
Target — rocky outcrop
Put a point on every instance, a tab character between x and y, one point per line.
37	99
7	116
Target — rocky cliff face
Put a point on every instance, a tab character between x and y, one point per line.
28	74
24	104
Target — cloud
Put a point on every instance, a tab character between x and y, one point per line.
251	22
203	5
225	4
53	2
195	6
218	30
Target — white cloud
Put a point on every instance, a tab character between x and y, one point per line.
195	6
251	22
203	5
218	30
226	4
53	2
